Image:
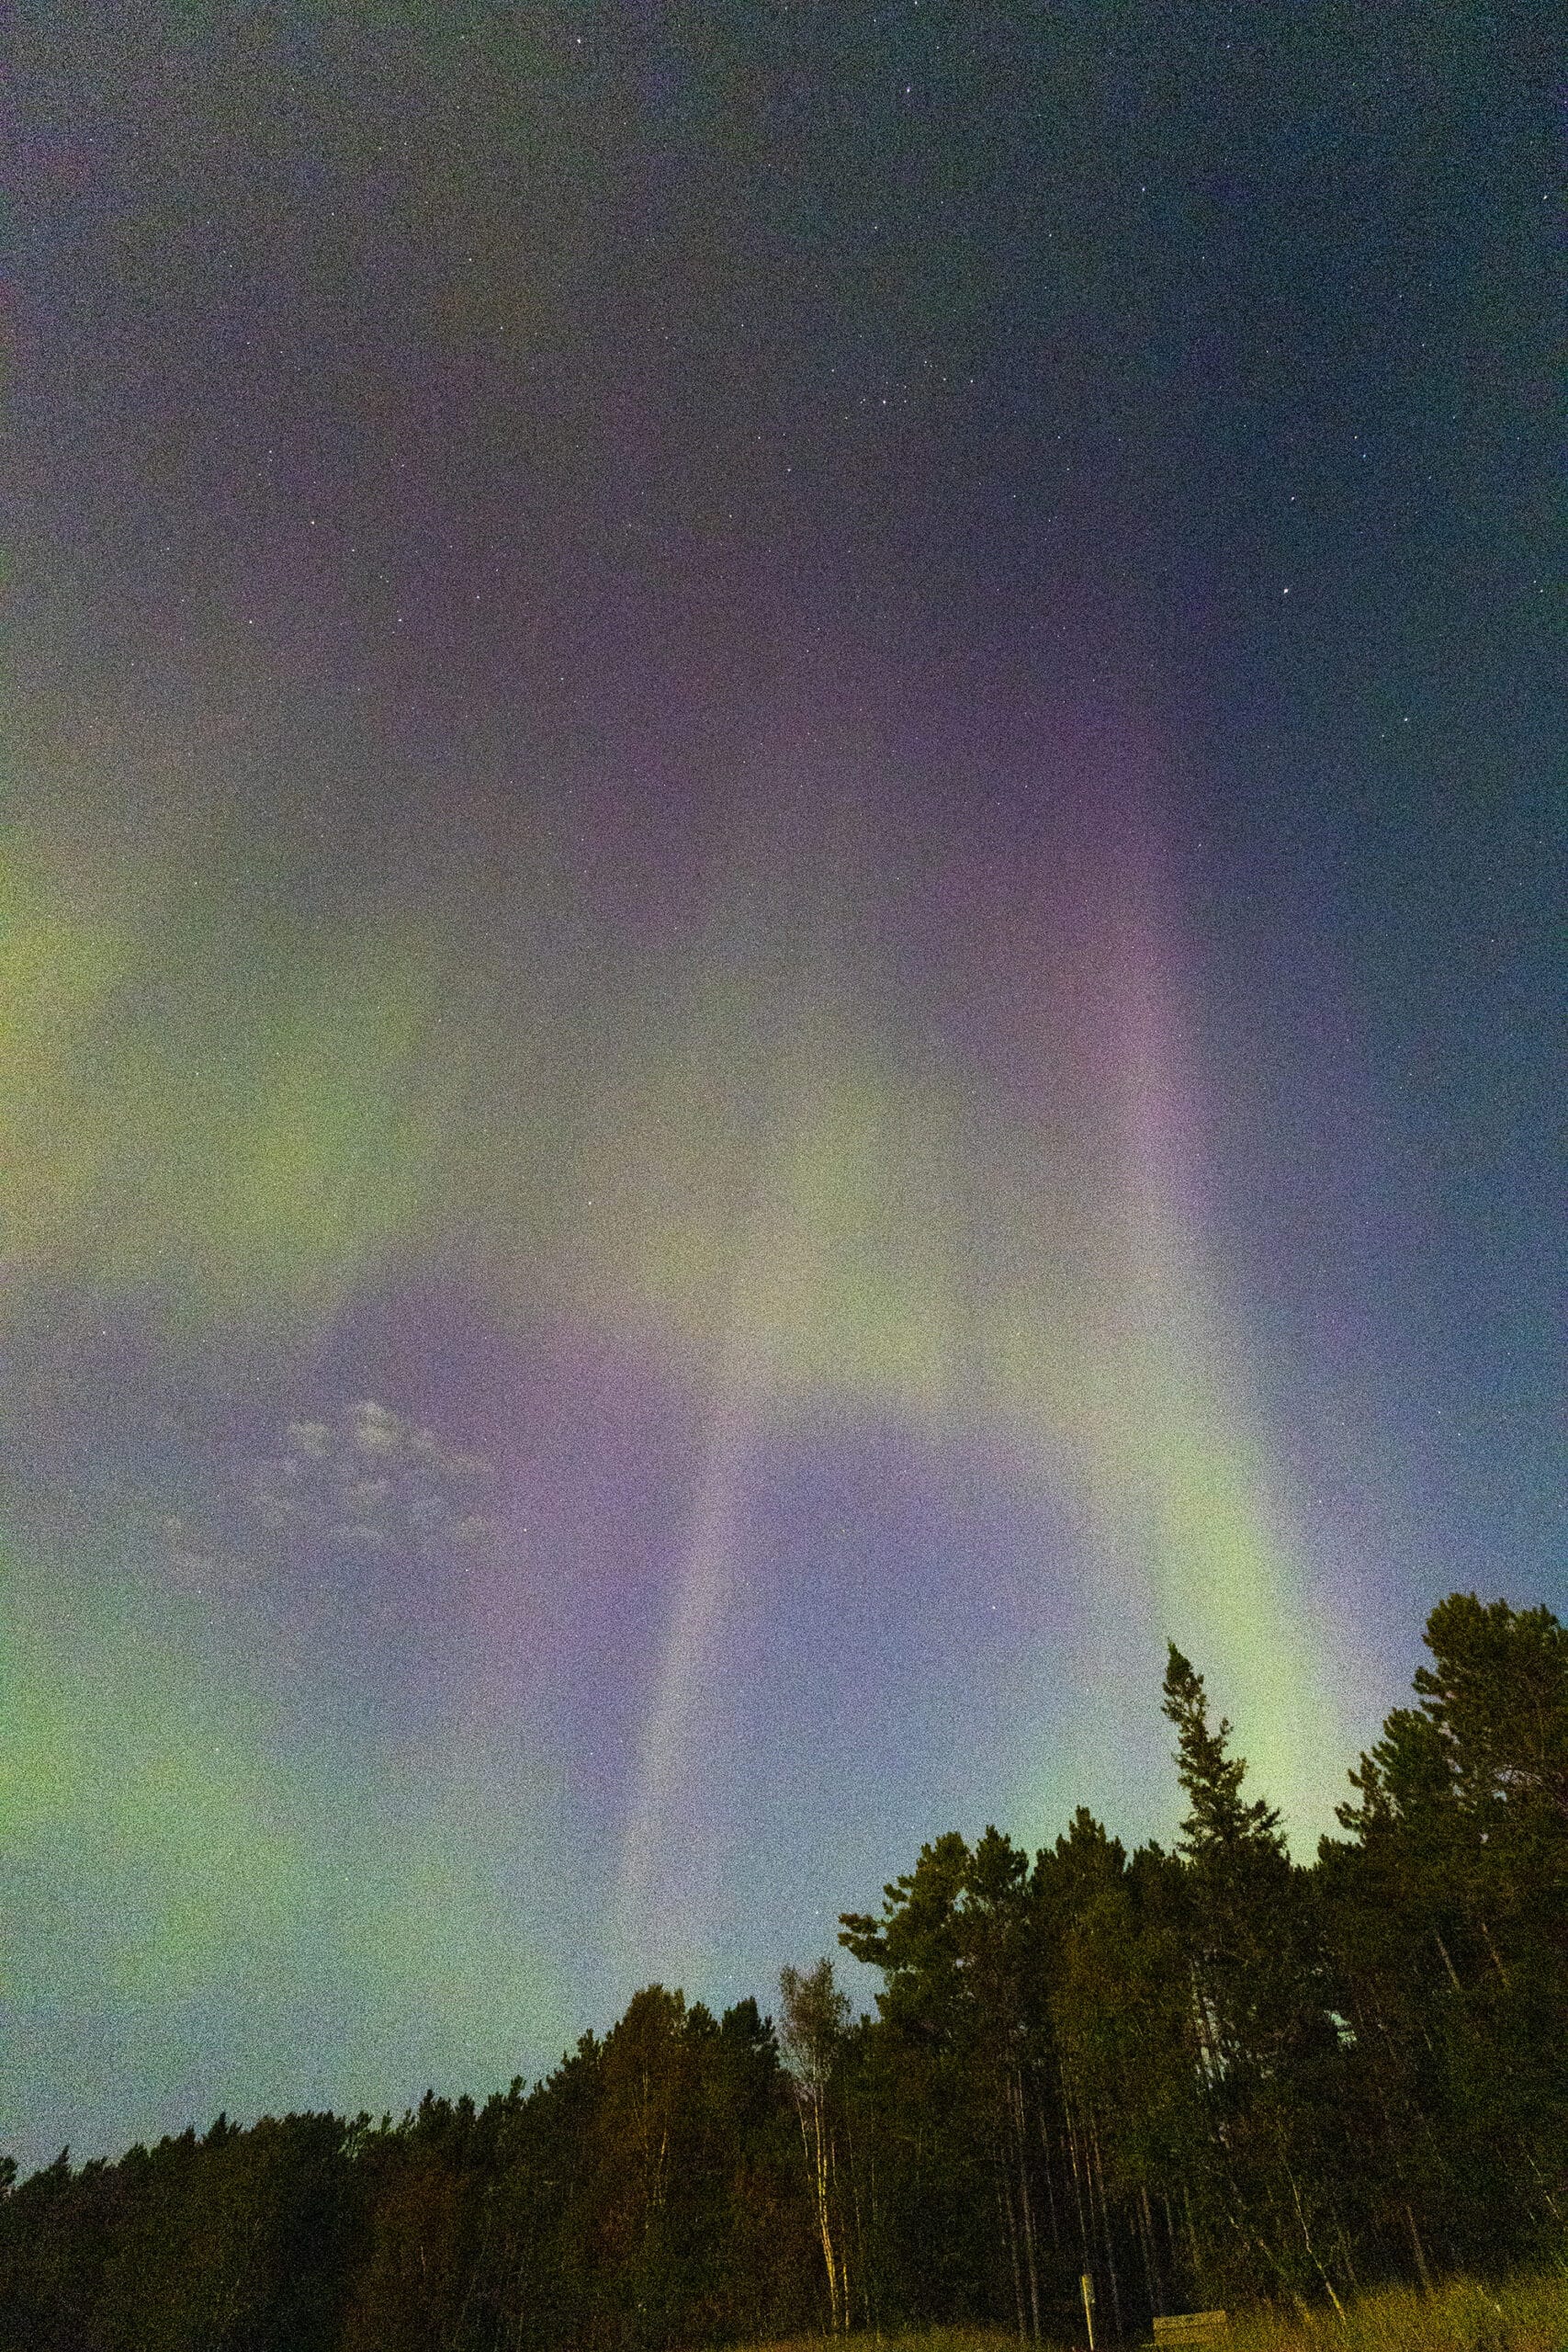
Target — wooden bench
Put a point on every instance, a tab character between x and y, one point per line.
1191	2328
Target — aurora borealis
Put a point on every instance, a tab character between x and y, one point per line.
778	966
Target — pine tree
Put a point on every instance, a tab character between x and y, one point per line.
1448	1914
961	2008
1268	2054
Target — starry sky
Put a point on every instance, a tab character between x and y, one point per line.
781	831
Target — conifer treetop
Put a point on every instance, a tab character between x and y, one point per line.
1219	1819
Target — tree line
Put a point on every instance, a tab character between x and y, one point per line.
1196	2077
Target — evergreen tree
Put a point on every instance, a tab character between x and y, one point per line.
1448	1920
1128	2123
961	2016
1268	2054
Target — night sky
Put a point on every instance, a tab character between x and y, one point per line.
783	832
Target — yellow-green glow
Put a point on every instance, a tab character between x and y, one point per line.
120	1756
796	1210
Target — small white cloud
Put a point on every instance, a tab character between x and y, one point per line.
376	1482
354	1536
378	1430
365	1497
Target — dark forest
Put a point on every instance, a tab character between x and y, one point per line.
1208	2075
